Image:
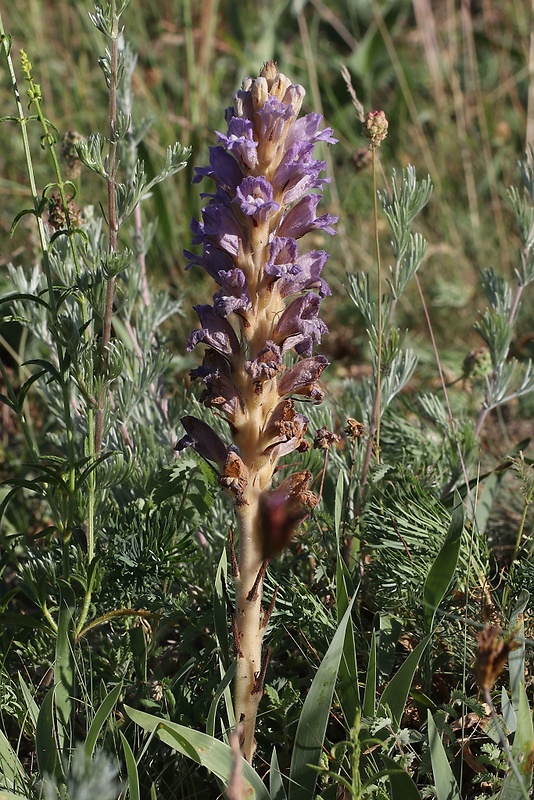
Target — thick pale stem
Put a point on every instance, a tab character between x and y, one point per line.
249	590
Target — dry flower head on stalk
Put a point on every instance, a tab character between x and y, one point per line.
259	335
492	654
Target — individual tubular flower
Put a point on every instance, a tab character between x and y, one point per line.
266	307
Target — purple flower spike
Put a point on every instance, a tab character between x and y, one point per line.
269	291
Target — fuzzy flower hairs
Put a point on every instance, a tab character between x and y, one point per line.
267	306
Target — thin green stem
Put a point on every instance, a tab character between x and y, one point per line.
112	221
376	410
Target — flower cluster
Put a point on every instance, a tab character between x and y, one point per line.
269	297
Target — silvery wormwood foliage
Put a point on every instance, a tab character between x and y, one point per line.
267	306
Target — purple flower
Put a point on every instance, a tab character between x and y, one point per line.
204	440
216	332
254	196
223	169
233	295
302	379
299	326
267	364
240	141
219	227
269	291
301	219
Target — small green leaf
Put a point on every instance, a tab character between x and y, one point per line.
11	769
516	658
227	678
220	611
518	782
369	697
31	705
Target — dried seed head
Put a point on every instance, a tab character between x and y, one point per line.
493	651
354	429
70	154
57	217
362	158
375	127
324	439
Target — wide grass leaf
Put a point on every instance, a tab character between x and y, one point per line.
442	570
444	780
276	785
132	787
396	692
216	756
516	658
64	663
402	784
11	769
45	741
99	719
518	782
313	720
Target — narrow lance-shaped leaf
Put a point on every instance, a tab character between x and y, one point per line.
311	729
442	570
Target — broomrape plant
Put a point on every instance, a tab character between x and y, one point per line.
267	307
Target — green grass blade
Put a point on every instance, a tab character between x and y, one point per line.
517	786
369	696
396	692
486	499
313	720
227	678
64	664
338	507
216	756
45	740
442	570
444	780
10	796
349	695
10	767
276	785
31	706
402	784
99	719
516	659
220	612
132	787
